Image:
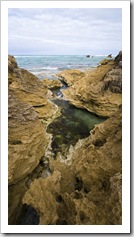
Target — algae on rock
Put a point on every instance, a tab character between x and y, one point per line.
86	188
89	188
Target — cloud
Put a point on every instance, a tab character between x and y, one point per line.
64	31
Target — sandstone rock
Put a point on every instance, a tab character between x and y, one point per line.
27	139
42	195
27	142
87	186
12	64
15	205
113	80
30	90
52	84
71	76
99	90
105	61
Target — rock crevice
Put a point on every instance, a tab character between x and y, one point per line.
86	187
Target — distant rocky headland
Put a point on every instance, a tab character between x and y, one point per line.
84	185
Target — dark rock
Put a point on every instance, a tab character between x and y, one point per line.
109	56
118	58
11	63
30	217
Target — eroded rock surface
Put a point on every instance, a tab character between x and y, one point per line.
87	186
29	89
28	140
98	90
52	84
70	76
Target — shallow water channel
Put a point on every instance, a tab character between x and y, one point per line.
72	125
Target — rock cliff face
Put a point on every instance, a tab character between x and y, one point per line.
98	90
27	137
85	188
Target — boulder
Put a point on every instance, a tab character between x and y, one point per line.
109	56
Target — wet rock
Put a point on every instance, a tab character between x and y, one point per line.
87	185
85	188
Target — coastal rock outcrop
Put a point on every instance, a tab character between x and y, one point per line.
70	76
109	56
86	188
26	136
29	89
52	84
28	140
99	90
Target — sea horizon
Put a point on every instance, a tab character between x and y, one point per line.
49	65
42	55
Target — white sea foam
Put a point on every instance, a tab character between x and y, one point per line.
51	64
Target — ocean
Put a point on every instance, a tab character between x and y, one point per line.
47	66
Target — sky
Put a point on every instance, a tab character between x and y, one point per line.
64	31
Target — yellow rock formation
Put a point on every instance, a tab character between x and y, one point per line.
98	90
52	84
85	188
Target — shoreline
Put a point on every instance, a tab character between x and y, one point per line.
58	190
50	65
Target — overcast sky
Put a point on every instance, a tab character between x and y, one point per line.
64	31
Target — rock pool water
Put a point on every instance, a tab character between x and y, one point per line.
72	125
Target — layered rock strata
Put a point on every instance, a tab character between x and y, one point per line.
86	188
97	90
70	76
30	90
27	137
